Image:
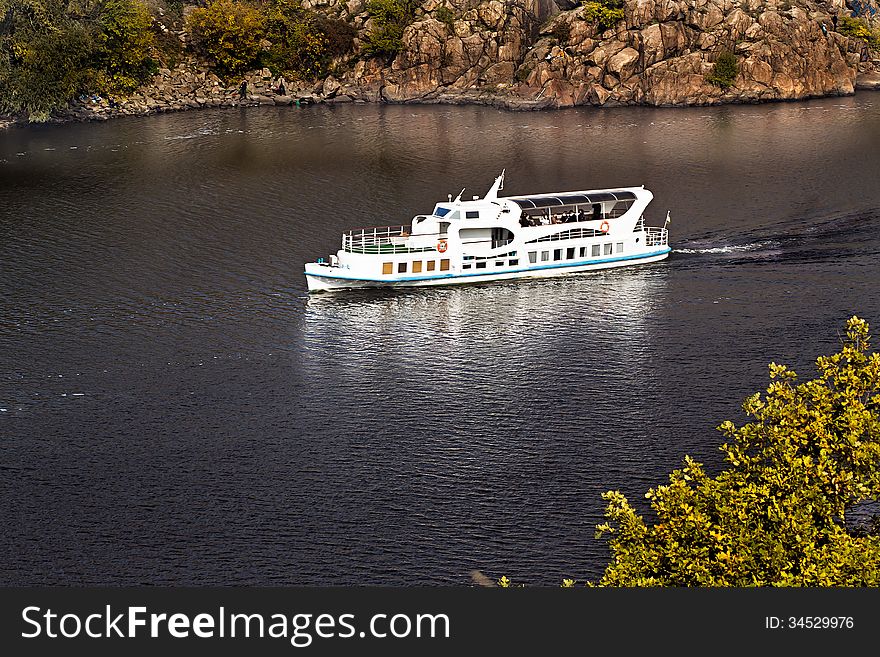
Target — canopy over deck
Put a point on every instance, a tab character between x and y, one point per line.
551	201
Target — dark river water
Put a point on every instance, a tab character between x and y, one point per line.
175	409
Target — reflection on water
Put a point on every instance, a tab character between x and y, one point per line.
176	409
498	329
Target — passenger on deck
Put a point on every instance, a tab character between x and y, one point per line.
524	221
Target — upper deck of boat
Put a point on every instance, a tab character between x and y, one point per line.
541	201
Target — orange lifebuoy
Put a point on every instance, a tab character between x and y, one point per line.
604	226
442	246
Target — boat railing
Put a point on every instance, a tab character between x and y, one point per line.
656	236
388	239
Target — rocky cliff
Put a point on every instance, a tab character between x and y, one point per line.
535	53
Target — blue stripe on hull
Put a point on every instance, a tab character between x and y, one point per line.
564	265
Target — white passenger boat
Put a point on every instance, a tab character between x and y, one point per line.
498	238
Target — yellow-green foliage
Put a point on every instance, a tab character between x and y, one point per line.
776	515
857	28
52	50
126	44
229	33
605	13
233	36
298	45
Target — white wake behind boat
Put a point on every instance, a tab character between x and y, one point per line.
498	238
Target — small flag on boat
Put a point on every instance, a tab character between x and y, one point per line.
667	217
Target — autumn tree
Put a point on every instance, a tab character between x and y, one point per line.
777	514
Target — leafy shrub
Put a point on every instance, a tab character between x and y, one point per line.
44	62
126	43
604	13
777	514
229	34
444	15
725	70
390	18
857	29
303	42
340	35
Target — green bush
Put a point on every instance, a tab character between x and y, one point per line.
444	15
604	13
302	43
390	18
44	63
857	29
776	516
126	45
725	70
229	34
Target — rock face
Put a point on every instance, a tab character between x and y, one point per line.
536	54
188	86
526	53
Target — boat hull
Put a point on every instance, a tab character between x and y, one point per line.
330	281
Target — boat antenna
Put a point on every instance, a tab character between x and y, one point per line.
458	198
492	194
667	219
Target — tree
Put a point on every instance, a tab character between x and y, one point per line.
724	71
777	514
53	50
390	19
46	57
126	45
229	33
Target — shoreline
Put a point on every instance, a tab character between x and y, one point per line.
183	90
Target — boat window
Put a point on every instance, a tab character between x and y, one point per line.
465	266
401	267
533	257
417	267
387	267
569	254
444	264
441	212
513	262
472	214
444	227
607	249
619	247
557	254
481	265
595	250
545	256
499	263
583	252
431	264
